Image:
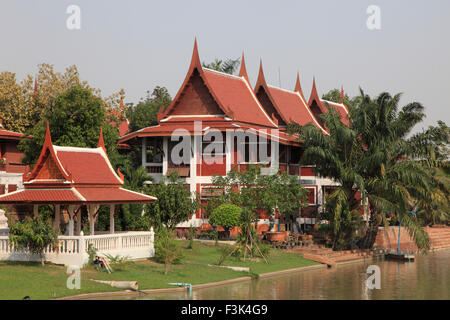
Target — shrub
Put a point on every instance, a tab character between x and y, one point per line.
118	262
227	215
33	235
167	249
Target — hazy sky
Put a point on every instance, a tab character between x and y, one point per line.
137	45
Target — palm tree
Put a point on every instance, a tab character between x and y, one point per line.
372	155
227	66
393	179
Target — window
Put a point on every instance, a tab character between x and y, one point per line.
213	146
210	191
182	159
255	151
154	150
295	155
283	153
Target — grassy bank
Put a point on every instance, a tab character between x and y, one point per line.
19	279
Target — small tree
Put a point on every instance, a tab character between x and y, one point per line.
34	235
227	215
174	203
257	194
167	249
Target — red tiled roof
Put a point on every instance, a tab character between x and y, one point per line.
340	108
10	134
235	94
75	195
40	196
73	175
115	195
292	107
232	94
87	166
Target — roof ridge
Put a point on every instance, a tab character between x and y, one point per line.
282	89
76	149
224	73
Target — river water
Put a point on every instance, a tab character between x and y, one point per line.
426	278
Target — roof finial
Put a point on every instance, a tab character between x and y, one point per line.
101	142
314	95
261	79
243	69
48	138
298	87
121	103
195	61
341	98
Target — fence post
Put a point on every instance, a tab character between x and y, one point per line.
152	241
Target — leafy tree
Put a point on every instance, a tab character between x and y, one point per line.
167	249
174	203
33	235
75	121
226	215
23	105
257	194
14	102
227	66
144	114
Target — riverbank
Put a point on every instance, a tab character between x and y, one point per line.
18	279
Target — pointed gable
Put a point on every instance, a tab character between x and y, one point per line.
48	166
264	96
73	165
195	99
209	92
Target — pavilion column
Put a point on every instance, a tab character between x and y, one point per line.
79	220
57	220
92	212
91	219
71	222
111	218
35	211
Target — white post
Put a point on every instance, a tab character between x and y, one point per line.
152	234
111	218
228	152
274	152
91	219
144	151
71	222
35	211
152	239
56	222
165	156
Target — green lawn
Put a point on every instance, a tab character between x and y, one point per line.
19	279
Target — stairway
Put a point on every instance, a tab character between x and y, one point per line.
439	236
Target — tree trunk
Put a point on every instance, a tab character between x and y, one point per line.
42	260
166	266
369	238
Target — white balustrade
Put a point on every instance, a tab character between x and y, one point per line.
73	249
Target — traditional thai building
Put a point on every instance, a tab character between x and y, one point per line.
11	167
70	178
209	101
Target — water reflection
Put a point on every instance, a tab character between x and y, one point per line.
426	278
